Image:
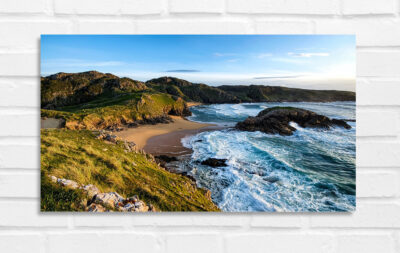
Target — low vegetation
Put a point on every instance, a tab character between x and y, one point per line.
77	155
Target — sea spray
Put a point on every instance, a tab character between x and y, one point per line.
313	170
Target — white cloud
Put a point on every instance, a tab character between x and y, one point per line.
307	55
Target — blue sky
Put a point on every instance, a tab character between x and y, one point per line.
304	61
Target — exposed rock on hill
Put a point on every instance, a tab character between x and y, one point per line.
276	120
105	202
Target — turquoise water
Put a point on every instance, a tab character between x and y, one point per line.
312	170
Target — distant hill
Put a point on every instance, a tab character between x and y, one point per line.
94	100
63	89
191	91
260	93
243	93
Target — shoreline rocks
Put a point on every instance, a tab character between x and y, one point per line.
107	201
214	162
276	120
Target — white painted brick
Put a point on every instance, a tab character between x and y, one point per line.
20	125
142	7
21	243
19	64
10	156
105	27
377	123
351	243
102	220
189	220
276	220
20	185
369	32
378	92
378	63
116	7
318	7
87	7
378	154
27	33
193	27
368	7
278	242
377	184
198	6
27	214
367	215
194	243
102	242
22	6
283	27
27	90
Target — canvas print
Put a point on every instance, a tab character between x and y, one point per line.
215	123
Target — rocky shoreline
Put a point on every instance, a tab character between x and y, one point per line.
276	120
104	201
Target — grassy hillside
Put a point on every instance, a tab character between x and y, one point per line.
260	93
126	108
243	93
63	89
191	91
79	156
93	100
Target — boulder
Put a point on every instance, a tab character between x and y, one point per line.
214	162
68	183
140	206
110	199
91	190
276	120
96	208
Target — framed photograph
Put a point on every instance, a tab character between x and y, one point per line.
211	123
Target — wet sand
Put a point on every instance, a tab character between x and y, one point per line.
170	143
144	135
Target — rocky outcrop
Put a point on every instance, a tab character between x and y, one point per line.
164	159
277	120
214	162
107	201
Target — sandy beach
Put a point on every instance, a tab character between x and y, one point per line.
142	134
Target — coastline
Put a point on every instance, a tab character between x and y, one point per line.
170	143
146	135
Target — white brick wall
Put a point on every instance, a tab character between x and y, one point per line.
374	227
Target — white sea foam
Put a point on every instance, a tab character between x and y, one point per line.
312	170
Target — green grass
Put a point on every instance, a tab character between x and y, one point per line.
118	110
79	156
58	198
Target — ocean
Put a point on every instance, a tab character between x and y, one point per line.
310	171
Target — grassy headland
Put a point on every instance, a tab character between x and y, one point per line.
77	155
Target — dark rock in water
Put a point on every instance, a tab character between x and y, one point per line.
276	120
272	179
214	162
